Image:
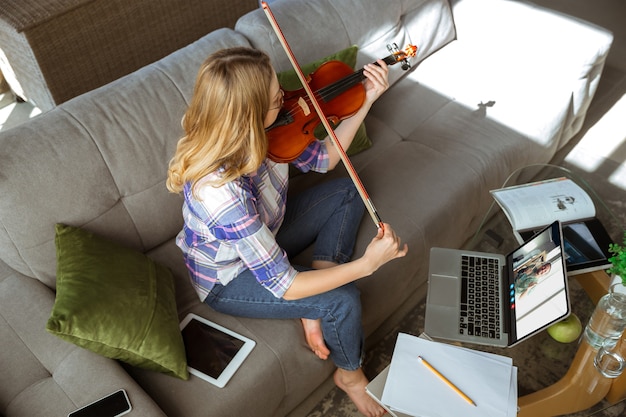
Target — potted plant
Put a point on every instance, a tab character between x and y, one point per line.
618	260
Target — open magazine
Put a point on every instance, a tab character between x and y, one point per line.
530	207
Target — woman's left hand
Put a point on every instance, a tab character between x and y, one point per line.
377	81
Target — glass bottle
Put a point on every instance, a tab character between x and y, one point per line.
608	320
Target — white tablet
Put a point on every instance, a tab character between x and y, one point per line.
214	352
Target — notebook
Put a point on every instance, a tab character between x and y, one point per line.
526	292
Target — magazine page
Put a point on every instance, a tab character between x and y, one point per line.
540	203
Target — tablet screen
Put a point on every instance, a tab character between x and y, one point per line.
586	245
208	349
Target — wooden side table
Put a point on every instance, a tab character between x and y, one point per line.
582	386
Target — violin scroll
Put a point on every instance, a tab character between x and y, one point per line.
402	55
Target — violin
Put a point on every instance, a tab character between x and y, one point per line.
340	93
311	99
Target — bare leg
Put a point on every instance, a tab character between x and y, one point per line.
354	383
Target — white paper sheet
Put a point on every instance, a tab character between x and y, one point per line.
488	379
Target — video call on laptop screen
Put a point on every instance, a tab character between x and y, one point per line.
539	290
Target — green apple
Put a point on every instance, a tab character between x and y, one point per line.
567	330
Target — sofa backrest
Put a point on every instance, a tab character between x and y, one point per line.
99	161
318	28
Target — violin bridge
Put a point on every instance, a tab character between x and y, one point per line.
304	106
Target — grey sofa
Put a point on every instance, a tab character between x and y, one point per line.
485	96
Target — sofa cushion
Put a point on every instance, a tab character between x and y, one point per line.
116	302
289	81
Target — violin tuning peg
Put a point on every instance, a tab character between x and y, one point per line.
393	48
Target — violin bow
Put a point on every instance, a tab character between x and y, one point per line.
369	205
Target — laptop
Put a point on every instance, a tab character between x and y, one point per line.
496	300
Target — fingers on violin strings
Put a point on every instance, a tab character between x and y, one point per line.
383	66
377	70
377	75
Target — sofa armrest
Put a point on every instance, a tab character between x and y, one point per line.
534	53
530	36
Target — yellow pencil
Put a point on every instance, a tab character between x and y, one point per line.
444	379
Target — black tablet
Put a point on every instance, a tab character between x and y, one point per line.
586	246
214	352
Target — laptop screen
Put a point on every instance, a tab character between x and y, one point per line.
537	290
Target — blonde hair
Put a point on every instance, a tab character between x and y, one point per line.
223	124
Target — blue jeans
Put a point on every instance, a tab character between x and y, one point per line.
329	216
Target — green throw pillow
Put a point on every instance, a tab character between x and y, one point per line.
289	81
116	302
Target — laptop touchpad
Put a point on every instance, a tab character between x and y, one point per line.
443	291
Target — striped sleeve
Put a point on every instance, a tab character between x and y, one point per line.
314	158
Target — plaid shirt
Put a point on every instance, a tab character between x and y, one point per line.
233	227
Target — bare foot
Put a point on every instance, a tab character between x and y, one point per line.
354	383
315	338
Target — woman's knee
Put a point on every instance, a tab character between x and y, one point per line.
348	188
346	300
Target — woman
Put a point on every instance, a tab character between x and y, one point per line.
240	231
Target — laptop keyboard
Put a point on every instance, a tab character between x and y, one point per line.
480	300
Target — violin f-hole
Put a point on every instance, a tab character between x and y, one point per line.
310	126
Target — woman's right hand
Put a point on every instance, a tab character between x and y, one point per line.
385	247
